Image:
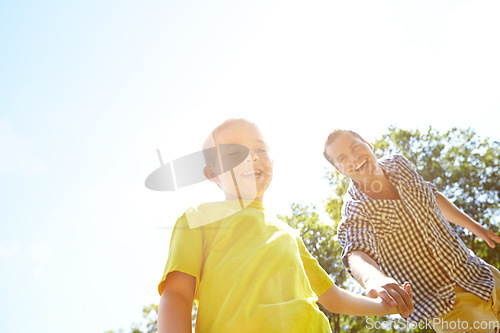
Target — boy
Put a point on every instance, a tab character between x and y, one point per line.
248	271
394	228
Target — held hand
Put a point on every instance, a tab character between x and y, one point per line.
487	235
407	287
387	309
392	293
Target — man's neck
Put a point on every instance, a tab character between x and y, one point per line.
378	187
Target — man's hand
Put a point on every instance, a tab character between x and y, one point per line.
392	293
485	234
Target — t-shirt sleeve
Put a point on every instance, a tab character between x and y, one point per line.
356	233
185	252
318	278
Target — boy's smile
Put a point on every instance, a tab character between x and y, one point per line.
254	174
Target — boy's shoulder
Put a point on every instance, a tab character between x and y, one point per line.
217	212
272	219
208	213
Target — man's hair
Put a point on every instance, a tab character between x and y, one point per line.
333	136
211	141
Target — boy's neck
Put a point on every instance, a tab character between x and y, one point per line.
235	198
244	202
241	204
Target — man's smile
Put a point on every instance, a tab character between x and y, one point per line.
360	165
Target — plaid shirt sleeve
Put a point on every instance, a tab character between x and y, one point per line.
432	187
409	166
356	233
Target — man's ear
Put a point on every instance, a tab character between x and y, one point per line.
336	169
369	145
210	174
330	161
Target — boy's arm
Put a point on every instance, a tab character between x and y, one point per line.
455	215
337	300
176	302
367	272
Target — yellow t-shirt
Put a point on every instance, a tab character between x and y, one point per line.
253	274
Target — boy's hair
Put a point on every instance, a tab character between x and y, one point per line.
211	154
333	136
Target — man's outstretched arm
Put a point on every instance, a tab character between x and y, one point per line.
453	214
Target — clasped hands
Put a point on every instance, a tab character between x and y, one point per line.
393	294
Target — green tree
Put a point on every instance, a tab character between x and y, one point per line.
149	322
150	316
463	166
320	239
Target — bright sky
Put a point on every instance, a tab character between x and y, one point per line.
89	90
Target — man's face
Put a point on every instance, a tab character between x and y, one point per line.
254	174
352	156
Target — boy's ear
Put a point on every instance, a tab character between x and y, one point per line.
210	174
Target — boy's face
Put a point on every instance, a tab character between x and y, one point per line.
352	157
254	174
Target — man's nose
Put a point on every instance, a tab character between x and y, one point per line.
252	157
351	162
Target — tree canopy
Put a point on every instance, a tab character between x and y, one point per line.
461	165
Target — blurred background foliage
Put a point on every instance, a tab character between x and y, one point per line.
461	164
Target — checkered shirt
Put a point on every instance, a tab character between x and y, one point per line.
411	241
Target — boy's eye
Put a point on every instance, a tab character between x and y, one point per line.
232	155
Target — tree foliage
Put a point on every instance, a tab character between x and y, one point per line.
149	322
321	241
462	166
